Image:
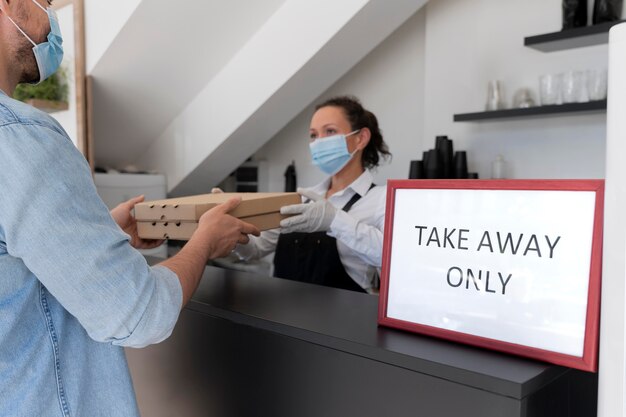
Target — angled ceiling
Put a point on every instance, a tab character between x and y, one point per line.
159	60
193	91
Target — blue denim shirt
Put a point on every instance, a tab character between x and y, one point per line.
72	289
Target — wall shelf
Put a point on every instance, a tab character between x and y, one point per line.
571	38
539	111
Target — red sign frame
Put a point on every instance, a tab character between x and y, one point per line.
589	359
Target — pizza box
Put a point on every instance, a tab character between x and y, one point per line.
181	230
191	208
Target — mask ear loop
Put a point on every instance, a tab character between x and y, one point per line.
350	134
49	11
19	28
40	6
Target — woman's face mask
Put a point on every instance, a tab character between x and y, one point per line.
47	54
330	154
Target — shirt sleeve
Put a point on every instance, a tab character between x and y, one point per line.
258	247
54	221
364	238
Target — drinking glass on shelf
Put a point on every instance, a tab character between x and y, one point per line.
549	89
572	88
495	96
597	83
523	99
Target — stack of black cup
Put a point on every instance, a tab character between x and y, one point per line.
441	162
575	12
607	11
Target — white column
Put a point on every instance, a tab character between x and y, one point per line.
612	387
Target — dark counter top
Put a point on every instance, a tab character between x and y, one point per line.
347	321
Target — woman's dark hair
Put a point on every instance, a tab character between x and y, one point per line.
360	118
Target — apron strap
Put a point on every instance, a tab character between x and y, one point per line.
314	258
356	197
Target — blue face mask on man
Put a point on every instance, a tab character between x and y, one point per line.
47	54
330	154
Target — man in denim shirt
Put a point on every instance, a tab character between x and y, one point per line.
73	290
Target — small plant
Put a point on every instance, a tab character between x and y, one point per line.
54	88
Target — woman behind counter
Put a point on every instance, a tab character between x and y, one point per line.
335	238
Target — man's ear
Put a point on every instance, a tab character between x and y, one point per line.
363	138
6	4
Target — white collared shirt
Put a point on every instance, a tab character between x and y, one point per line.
359	232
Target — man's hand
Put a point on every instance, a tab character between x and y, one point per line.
316	216
122	214
216	236
222	231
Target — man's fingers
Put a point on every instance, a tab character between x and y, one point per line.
243	239
136	200
150	244
228	205
249	229
216	190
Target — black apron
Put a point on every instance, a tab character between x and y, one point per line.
313	258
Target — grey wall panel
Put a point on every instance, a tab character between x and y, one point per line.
213	367
253	346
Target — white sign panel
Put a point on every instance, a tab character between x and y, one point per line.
508	265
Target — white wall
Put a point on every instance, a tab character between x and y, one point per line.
470	43
438	64
164	56
612	385
389	82
103	21
300	51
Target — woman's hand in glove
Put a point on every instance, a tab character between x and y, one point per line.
315	216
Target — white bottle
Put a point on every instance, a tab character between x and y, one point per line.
498	168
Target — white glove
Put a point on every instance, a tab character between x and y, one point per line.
309	217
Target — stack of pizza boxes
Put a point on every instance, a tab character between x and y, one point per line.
177	218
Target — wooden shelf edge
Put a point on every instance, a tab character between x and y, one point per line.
571	38
59	4
49	106
538	111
